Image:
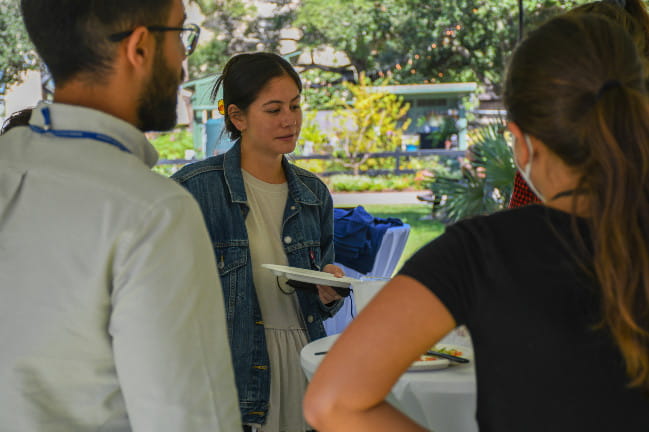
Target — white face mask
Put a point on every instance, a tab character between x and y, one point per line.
526	171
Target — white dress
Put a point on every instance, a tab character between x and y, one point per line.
285	332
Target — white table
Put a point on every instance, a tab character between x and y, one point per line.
440	400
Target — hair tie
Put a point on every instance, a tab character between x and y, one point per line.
610	84
221	106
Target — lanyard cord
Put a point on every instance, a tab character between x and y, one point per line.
88	135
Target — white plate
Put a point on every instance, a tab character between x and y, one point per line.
441	362
310	276
429	365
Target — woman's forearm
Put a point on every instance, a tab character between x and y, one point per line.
382	417
348	389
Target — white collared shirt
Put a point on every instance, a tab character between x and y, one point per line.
111	310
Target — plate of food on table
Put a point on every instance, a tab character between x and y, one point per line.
442	356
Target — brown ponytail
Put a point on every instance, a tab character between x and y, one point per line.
630	14
638	11
617	173
578	84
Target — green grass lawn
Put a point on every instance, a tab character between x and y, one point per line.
422	230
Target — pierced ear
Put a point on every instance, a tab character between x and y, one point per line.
237	117
140	46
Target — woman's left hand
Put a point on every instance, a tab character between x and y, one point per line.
328	294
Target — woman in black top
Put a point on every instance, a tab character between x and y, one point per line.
556	296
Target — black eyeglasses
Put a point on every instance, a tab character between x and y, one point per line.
188	35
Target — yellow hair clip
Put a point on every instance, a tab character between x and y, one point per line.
221	107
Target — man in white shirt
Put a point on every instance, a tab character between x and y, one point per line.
111	310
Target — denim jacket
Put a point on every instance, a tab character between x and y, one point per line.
307	236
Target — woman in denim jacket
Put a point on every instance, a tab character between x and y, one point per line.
260	209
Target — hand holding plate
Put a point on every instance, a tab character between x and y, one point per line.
327	293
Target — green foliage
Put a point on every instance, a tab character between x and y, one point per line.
446	126
416	41
319	93
312	140
317	165
311	135
447	168
354	27
364	183
327	97
370	123
486	181
492	154
349	183
239	28
413	41
208	58
172	145
235	9
16	51
234	18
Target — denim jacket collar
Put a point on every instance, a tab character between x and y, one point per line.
234	179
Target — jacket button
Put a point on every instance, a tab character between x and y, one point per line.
309	319
288	240
292	207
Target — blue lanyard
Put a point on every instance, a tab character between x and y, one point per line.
75	134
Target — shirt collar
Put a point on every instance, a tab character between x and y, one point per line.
79	118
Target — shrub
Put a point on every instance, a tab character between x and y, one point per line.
364	183
486	179
172	145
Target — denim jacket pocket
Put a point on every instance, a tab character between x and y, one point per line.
231	262
230	257
305	255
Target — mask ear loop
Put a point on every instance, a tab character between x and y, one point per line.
527	170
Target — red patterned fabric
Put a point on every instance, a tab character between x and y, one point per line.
522	194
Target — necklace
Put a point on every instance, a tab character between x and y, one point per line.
281	289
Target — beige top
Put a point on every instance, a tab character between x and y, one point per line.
111	311
285	332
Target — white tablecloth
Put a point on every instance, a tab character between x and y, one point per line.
440	400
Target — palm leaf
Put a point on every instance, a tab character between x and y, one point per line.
494	154
486	184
